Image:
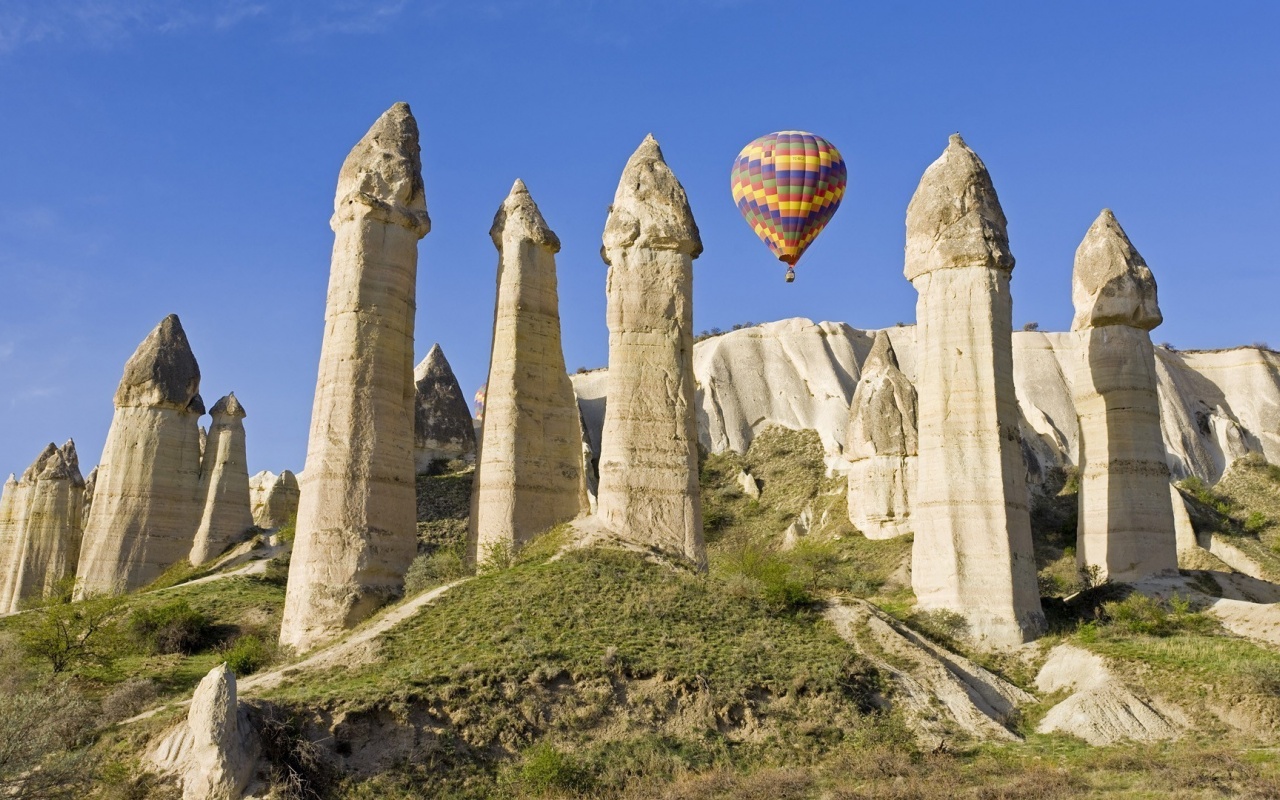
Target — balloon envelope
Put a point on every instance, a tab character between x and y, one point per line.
787	185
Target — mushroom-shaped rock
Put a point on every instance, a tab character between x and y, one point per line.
529	471
146	502
214	752
648	488
1127	528
356	531
224	483
442	426
972	552
882	443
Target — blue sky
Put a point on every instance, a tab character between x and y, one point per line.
181	157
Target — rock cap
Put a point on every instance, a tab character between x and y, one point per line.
650	208
382	175
228	406
519	216
1111	284
162	372
882	415
954	218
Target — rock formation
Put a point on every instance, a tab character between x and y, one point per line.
972	552
881	446
356	531
214	752
529	473
224	483
1126	527
274	498
43	527
1100	709
648	490
442	425
146	505
89	483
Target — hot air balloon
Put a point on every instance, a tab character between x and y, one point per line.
787	185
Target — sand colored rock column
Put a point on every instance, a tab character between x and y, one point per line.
145	499
881	443
224	483
356	531
972	552
47	525
648	489
442	426
1126	529
274	498
529	471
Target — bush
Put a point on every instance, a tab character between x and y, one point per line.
428	571
1255	523
128	698
42	734
67	634
547	771
752	571
174	627
942	626
1146	616
248	654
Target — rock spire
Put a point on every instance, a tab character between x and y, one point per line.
145	499
356	531
274	498
45	527
214	752
882	443
648	487
224	483
529	472
972	552
1126	527
442	426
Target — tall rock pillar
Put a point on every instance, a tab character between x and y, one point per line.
882	443
648	490
1126	527
145	500
972	552
224	483
442	426
529	471
48	526
356	531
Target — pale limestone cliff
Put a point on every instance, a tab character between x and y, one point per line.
214	752
224	483
881	446
972	551
46	527
648	489
274	498
146	504
529	471
442	425
356	530
1126	528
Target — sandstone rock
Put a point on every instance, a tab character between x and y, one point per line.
649	455
90	482
750	486
1184	531
1126	527
356	531
972	552
274	498
529	472
881	445
146	505
1101	710
46	527
213	753
442	425
224	483
10	531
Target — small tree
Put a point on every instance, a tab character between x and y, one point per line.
1031	326
66	634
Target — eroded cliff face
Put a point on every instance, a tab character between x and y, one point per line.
881	446
40	519
146	503
356	529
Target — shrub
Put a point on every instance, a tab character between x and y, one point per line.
1031	326
42	732
770	577
1255	522
430	570
66	634
276	572
174	627
1142	615
547	771
128	698
942	626
248	654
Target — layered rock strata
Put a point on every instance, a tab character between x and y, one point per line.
214	752
274	498
529	473
45	527
648	487
356	531
972	551
881	446
10	509
1126	530
224	483
442	424
145	499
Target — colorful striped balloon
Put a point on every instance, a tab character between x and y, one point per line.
788	185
